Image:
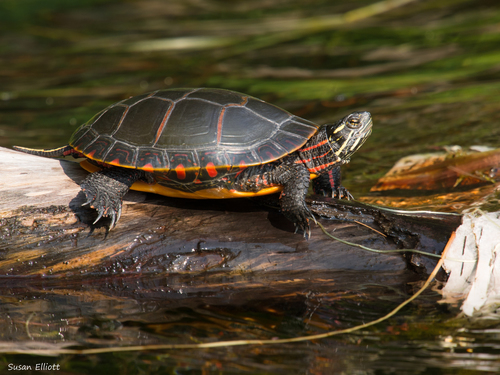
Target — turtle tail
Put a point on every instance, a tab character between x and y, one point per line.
51	153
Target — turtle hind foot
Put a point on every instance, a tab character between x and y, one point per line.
104	191
107	202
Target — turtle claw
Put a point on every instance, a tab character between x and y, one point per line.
119	214
108	208
101	213
312	217
341	193
302	224
113	220
90	199
305	229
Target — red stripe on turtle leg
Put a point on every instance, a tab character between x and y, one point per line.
331	179
314	146
321	167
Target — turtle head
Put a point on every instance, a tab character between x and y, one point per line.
348	135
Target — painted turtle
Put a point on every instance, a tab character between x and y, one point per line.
210	143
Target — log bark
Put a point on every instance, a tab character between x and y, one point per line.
44	231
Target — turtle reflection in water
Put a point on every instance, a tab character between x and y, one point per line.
211	143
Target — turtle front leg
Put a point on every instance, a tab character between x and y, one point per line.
295	179
329	184
105	189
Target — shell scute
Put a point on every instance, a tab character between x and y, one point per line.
267	110
108	121
142	121
245	128
121	154
190	126
152	159
98	149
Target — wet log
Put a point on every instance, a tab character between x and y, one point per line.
44	231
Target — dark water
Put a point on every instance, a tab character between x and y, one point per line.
423	338
428	71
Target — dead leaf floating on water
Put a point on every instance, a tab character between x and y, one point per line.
442	171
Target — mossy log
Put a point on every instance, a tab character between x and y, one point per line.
44	231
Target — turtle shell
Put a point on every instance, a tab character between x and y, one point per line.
191	131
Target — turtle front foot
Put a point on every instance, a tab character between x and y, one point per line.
341	193
337	193
301	218
305	228
329	184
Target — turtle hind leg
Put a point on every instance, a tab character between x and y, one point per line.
105	189
50	153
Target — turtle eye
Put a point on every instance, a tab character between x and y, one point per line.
353	122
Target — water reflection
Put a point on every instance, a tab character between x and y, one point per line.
423	337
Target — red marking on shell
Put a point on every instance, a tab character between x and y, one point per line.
148	167
164	121
91	154
115	162
221	116
181	172
197	181
212	172
219	125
